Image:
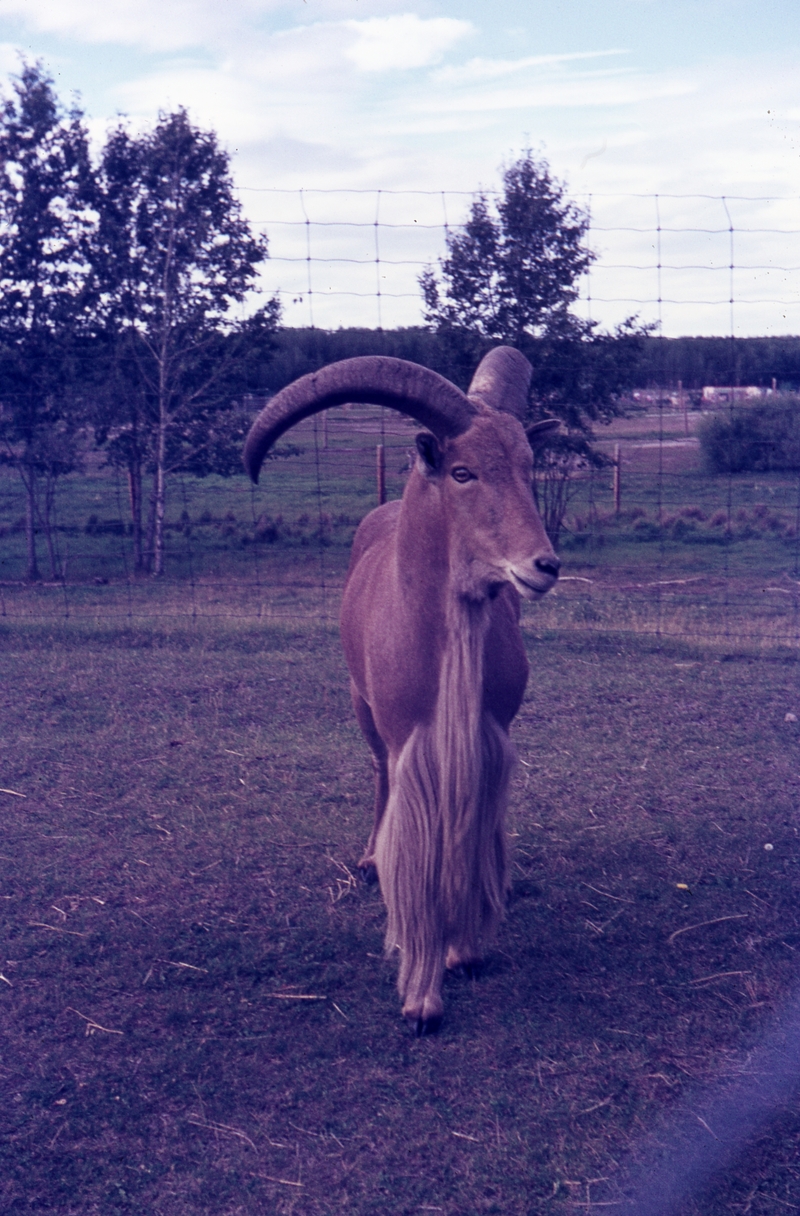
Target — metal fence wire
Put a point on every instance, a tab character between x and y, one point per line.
651	543
697	264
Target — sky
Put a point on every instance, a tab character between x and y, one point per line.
625	99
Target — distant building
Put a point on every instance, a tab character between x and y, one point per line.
714	394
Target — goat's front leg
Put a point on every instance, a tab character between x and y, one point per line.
407	854
420	985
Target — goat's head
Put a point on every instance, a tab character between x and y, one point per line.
475	462
484	475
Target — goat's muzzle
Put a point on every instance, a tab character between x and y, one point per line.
535	578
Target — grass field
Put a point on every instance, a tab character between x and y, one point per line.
196	1016
675	521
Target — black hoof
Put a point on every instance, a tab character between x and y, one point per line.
426	1026
368	874
470	970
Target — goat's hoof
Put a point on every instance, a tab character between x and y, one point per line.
368	872
425	1026
469	967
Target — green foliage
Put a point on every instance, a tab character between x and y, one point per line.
512	270
511	275
172	253
116	290
45	216
558	466
173	250
753	439
592	376
45	196
295	352
581	372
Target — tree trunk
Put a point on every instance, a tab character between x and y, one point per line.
159	495
47	525
32	575
149	542
135	488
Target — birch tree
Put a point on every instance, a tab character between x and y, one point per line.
512	269
173	255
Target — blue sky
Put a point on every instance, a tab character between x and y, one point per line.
623	97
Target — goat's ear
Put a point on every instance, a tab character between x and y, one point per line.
540	432
429	450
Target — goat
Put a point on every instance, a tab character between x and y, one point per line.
430	631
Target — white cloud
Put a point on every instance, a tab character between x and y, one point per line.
588	91
491	69
9	58
313	85
292	85
301	108
404	41
160	25
173	25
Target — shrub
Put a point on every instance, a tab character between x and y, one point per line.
754	439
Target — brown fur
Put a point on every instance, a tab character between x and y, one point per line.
431	635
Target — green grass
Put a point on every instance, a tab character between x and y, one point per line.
675	519
321	492
195	799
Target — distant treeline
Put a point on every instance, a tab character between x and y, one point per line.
662	361
722	361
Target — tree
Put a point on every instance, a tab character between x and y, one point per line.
45	222
172	255
580	376
511	275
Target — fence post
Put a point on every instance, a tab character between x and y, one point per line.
617	480
381	470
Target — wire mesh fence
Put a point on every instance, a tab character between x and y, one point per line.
697	264
651	543
234	550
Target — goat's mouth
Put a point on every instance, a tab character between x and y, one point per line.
530	589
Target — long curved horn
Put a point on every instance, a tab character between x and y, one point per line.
373	379
502	380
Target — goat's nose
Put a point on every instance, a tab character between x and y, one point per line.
549	565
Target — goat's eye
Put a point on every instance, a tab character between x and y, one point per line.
461	474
